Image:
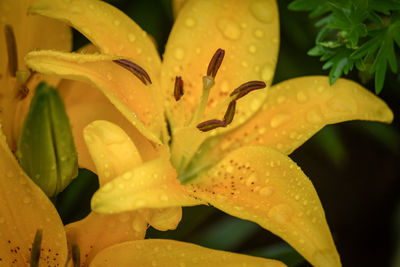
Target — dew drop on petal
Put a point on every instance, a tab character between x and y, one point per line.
280	214
131	37
229	29
266	191
259	33
179	53
190	22
116	22
314	116
278	119
26	199
267	72
252	49
301	96
261	11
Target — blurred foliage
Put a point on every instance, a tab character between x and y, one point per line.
355	33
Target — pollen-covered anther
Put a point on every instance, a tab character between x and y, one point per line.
36	248
215	63
11	49
230	112
209	125
178	89
135	69
246	88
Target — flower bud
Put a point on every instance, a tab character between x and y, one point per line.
46	149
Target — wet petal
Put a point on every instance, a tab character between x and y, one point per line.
120	86
264	186
114	154
298	108
158	252
177	6
85	104
110	30
98	231
24	210
247	30
153	184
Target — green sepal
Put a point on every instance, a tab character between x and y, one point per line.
46	149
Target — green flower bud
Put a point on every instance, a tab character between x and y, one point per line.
46	149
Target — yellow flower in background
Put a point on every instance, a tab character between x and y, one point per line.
241	168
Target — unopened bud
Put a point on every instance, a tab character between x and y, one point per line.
46	149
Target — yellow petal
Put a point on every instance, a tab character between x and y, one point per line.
110	30
153	184
85	104
98	231
120	86
24	209
158	252
114	153
298	108
247	30
264	186
177	6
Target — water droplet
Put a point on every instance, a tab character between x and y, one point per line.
262	130
259	33
138	225
229	29
301	96
9	174
164	197
251	180
320	89
229	169
266	191
131	37
189	22
127	175
277	120
281	213
262	11
293	135
121	186
255	104
281	99
314	116
179	53
107	187
275	40
244	64
26	199
252	49
116	22
140	203
297	197
267	72
139	50
238	208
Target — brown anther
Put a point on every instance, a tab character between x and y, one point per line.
23	91
215	63
35	252
11	49
178	89
135	69
206	126
230	112
246	88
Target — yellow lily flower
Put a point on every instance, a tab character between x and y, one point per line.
26	210
242	169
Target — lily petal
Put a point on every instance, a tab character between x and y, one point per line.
112	31
173	253
113	153
248	31
24	210
119	85
177	6
85	104
153	184
263	185
298	108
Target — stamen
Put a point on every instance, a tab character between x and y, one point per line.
230	112
246	88
215	63
178	90
35	252
135	69
11	50
76	255
206	126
